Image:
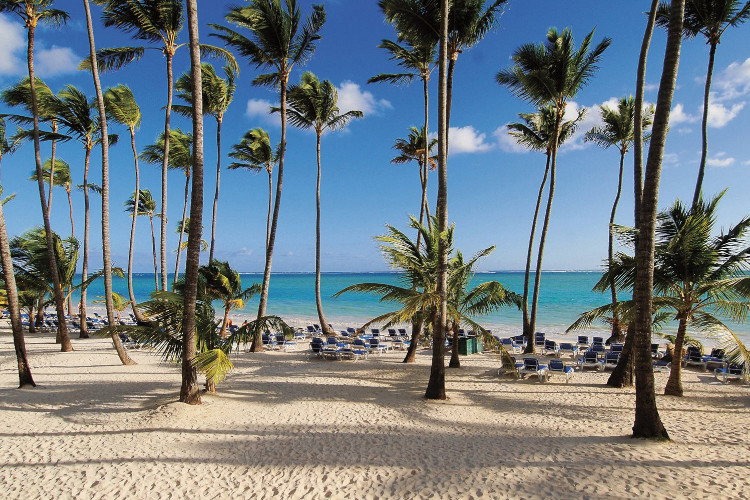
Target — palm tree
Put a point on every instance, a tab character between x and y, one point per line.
551	73
254	153
32	12
313	105
417	58
181	158
415	148
158	22
710	18
220	282
145	206
537	133
119	304
123	109
8	145
61	178
619	131
276	40
647	421
217	96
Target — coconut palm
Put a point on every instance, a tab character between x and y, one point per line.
551	73
278	41
414	148
619	131
61	178
710	18
123	109
158	22
537	133
217	96
220	282
8	145
314	105
33	12
181	158
254	153
647	421
119	304
146	205
183	227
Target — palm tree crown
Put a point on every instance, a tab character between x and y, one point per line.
619	125
537	132
217	92
254	152
180	151
413	149
122	107
313	104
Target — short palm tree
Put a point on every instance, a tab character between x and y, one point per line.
158	22
710	18
416	148
551	74
254	153
146	205
61	179
278	41
314	105
221	282
217	96
123	109
181	158
119	304
33	12
537	133
619	131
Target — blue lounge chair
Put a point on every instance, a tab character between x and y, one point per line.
590	359
583	342
539	338
655	352
551	348
730	372
375	345
520	339
316	346
568	348
694	357
531	366
597	340
402	332
611	359
616	348
557	367
510	345
715	360
662	366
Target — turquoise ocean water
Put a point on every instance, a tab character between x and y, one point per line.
564	295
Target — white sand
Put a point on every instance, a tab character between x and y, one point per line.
282	426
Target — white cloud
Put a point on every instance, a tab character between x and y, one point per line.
746	162
670	160
733	81
507	142
719	115
56	61
678	115
649	87
352	97
12	40
261	109
467	140
721	160
684	130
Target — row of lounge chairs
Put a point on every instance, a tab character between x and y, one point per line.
555	367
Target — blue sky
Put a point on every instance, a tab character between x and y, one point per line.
492	183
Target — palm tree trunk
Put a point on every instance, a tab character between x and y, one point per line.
545	226
425	166
216	193
223	331
455	362
62	330
416	333
32	326
189	392
423	201
674	384
270	201
704	124
182	229
436	384
153	247
72	220
106	255
164	168
525	308
647	421
24	370
85	265
131	293
616	331
318	303
52	169
257	345
622	374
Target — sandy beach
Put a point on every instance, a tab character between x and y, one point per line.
283	426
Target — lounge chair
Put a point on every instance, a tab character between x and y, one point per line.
316	347
655	352
583	342
590	359
611	359
694	357
551	348
715	359
599	349
510	345
662	366
539	338
376	345
520	339
597	340
616	348
730	372
568	348
350	353
402	332
557	367
531	366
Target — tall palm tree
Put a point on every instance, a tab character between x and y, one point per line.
314	105
158	22
123	109
551	73
220	282
146	205
217	96
417	58
181	158
416	148
32	12
710	18
61	179
278	41
254	153
619	131
647	421
537	133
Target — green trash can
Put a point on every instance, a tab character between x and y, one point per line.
469	345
